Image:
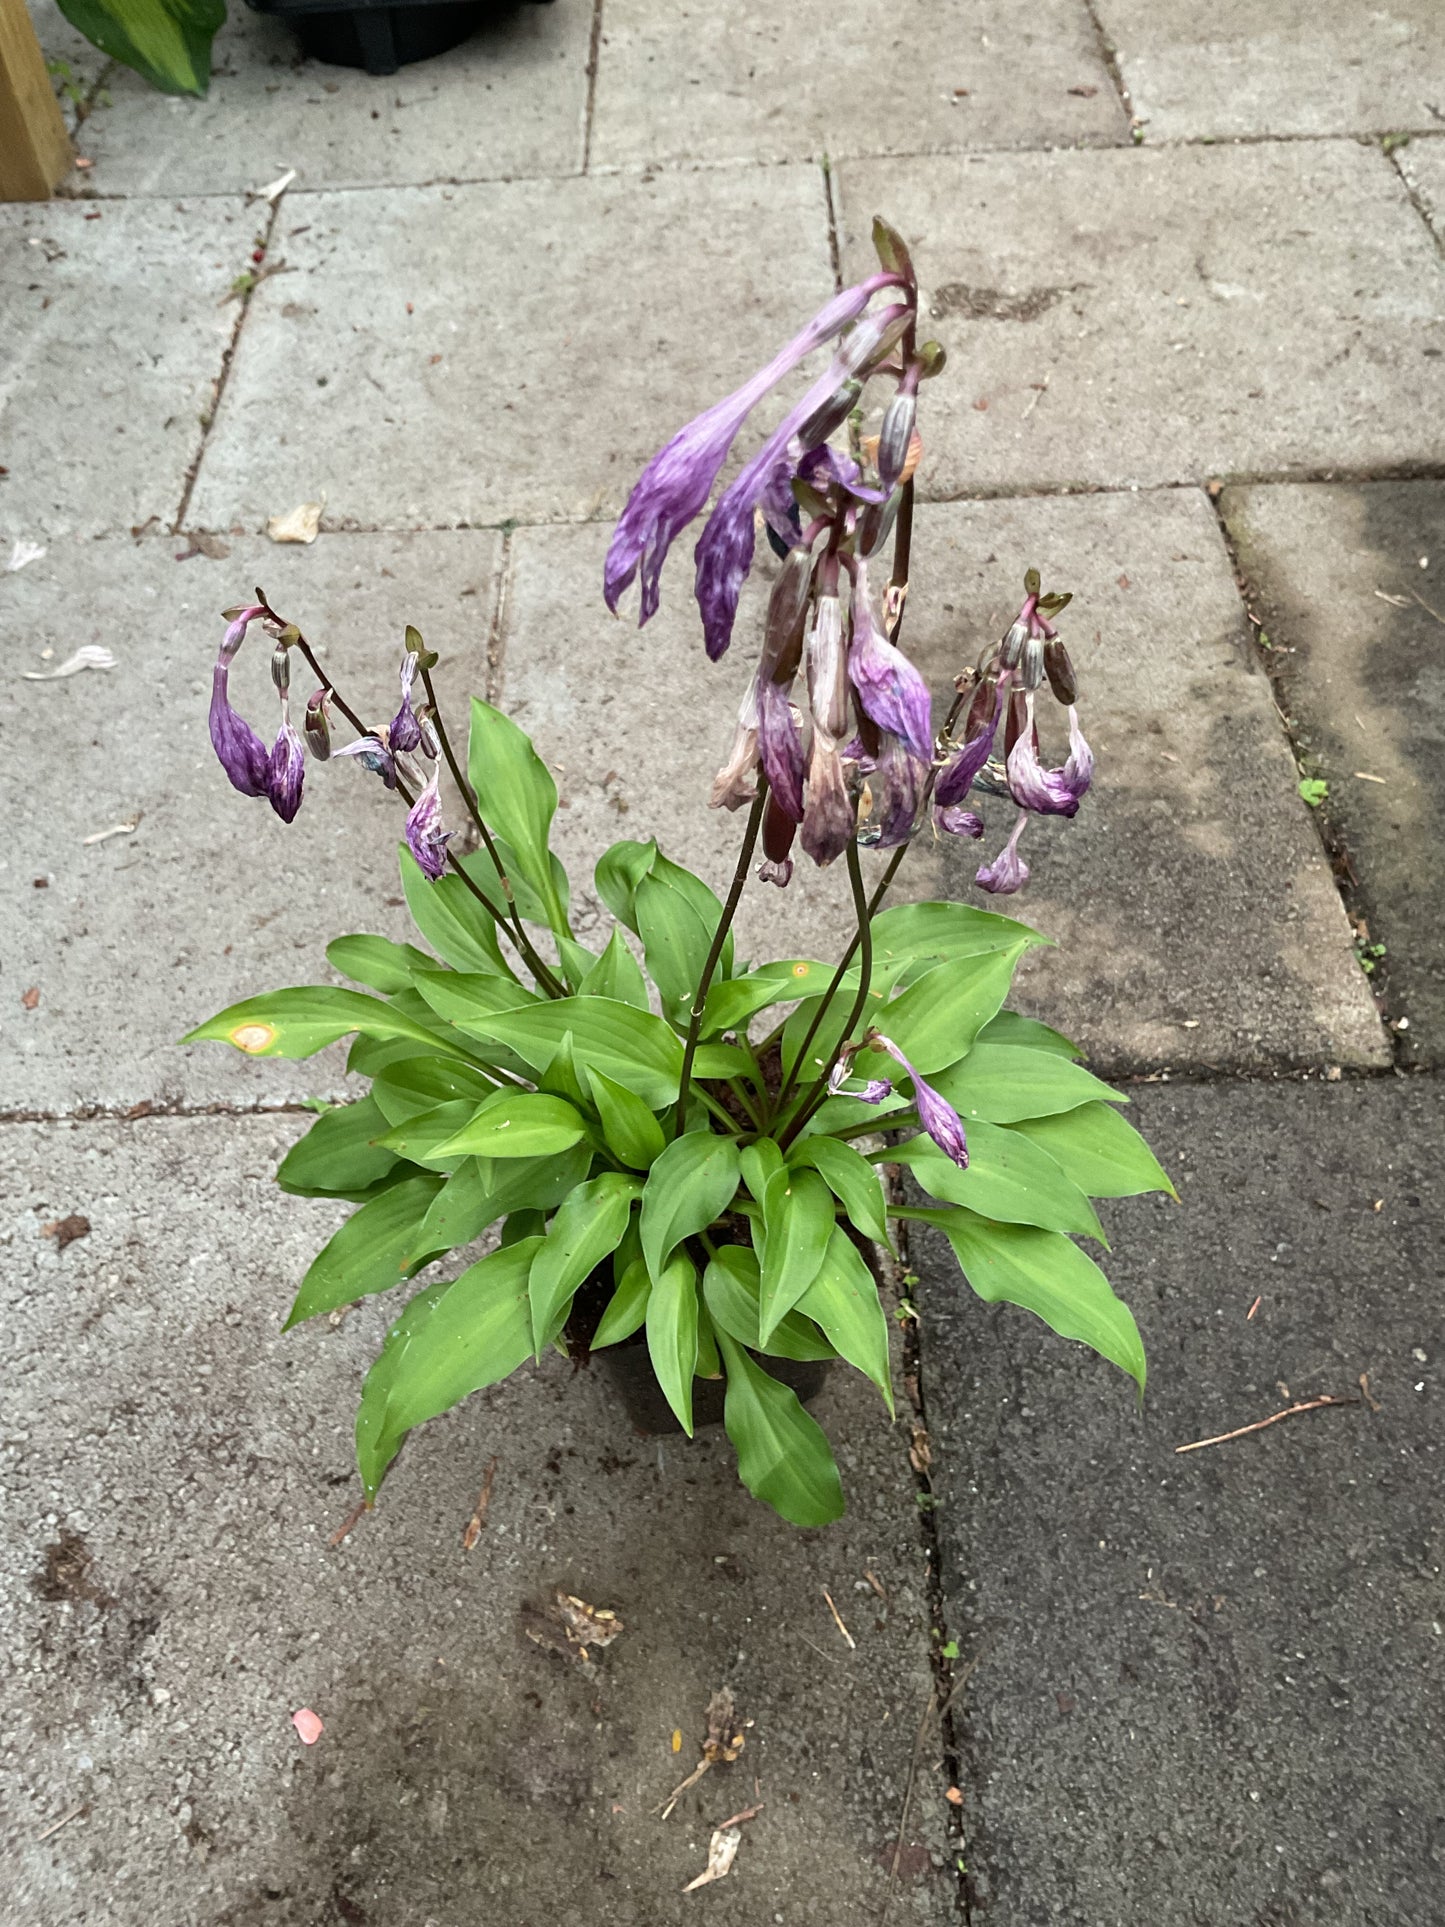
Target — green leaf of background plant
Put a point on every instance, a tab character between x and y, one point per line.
481	1190
618	872
1005	1083
798	1220
457	927
730	1292
633	1047
947	930
1099	1150
530	903
338	1157
460	997
1007	1178
617	974
168	42
416	1084
380	1244
935	1021
672	1334
675	941
688	1186
517	1124
761	1160
783	1457
731	1003
301	1021
474	1332
577	961
843	1303
1045	1274
851	1179
586	1228
1009	1028
377	961
518	798
629	1129
420	1137
627	1308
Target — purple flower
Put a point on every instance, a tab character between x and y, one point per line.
829	815
236	630
404	731
780	748
956	821
243	755
828	669
935	1113
889	688
1048	791
896	784
374	755
873	1092
1079	769
676	483
1008	871
286	769
777	870
425	837
957	776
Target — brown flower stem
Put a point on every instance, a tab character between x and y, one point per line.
818	1090
719	938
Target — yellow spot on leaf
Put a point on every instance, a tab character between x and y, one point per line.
801	970
254	1038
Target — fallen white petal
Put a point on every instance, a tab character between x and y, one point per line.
116	829
92	656
22	553
721	1853
273	193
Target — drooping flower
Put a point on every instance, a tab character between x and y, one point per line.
959	773
896	783
829	813
286	769
1050	792
872	1092
279	773
935	1113
316	725
1079	769
425	837
736	782
957	821
675	485
889	688
1008	871
243	756
779	829
404	730
374	755
780	748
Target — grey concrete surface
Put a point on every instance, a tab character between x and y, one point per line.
172	1598
508	101
212	898
59	41
1209	1688
692	82
1423	164
1250	67
1135	317
539	368
114	322
1346	580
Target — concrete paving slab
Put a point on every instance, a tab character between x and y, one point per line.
137	938
177	1470
510	100
1278	66
1423	165
114	332
539	368
1365	685
1209	1688
691	82
1197	919
1261	311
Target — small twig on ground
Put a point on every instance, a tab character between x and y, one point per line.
876	1583
349	1523
748	1813
1254	1307
64	1821
1427	608
473	1529
1373	1403
1302	1405
682	1787
848	1638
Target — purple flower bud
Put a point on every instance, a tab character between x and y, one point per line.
780	748
1031	663
1049	791
1011	648
1008	871
827	668
404	731
830	415
956	821
935	1113
236	632
873	1092
316	726
425	837
374	755
829	815
286	771
896	435
787	610
889	688
242	754
1060	671
281	668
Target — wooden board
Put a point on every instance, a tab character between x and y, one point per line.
34	146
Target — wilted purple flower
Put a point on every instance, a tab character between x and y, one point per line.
1079	769
780	748
957	776
236	630
873	1092
957	821
676	483
829	815
777	870
779	830
425	837
374	755
1008	871
828	669
286	769
1051	792
935	1113
889	688
404	731
242	754
896	783
736	782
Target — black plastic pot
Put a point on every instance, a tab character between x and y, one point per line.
628	1368
379	35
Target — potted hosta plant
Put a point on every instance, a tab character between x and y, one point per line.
676	1153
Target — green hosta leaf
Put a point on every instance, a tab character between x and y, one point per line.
616	974
675	941
481	1190
1099	1150
377	961
671	1321
689	1185
461	997
338	1157
1009	1028
457	927
529	902
586	1228
518	798
730	1292
629	1129
577	961
517	1124
420	1137
627	1309
369	1055
691	890
723	1061
730	1004
1045	1274
760	1161
617	875
946	930
1007	1178
935	1021
843	1303
563	1078
851	1179
449	1342
166	41
632	1047
783	1457
709	1364
416	1084
797	1223
379	1245
1004	1083
300	1022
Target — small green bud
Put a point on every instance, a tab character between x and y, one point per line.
892	249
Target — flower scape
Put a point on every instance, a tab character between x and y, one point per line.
663	1145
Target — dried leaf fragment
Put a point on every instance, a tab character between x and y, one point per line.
568	1625
301	524
725	1735
721	1853
65	1231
